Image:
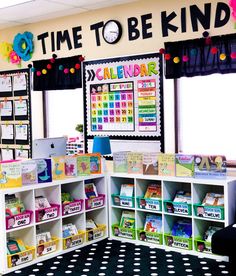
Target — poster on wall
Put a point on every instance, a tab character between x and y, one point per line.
15	114
123	97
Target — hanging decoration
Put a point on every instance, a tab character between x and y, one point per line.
23	45
203	56
232	4
57	73
21	49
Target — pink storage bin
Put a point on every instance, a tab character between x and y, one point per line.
20	220
47	213
73	207
95	202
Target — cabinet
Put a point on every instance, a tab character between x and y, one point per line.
26	226
140	206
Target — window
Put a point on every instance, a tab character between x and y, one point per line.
206	115
64	112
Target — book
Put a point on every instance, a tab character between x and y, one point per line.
95	163
127	190
153	191
10	174
150	163
71	166
184	165
58	167
43	237
153	223
209	233
120	163
127	219
83	164
166	164
182	197
182	228
41	202
90	190
29	172
90	224
44	170
213	199
210	166
12	246
135	162
14	206
69	230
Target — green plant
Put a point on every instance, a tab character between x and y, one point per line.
79	128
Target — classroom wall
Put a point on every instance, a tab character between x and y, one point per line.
149	36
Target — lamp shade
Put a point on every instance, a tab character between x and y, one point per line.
102	145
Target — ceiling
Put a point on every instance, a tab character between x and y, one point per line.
39	10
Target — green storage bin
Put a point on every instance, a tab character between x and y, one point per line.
122	232
154	204
178	242
202	246
209	212
124	201
178	208
152	237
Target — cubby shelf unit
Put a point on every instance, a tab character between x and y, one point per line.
169	186
54	222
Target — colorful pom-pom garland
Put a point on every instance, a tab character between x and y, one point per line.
50	65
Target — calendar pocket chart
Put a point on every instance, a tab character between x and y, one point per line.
113	109
123	98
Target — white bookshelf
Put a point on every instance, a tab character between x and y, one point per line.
169	186
78	216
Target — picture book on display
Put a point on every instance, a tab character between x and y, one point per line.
44	170
10	174
58	168
210	166
29	172
150	163
90	190
135	162
153	223
70	166
127	190
127	219
83	164
153	191
184	165
166	164
95	163
120	164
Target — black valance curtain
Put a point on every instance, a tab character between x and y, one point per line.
57	74
202	56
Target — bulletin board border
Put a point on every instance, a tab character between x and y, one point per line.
159	138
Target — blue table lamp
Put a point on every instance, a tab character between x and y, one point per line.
102	145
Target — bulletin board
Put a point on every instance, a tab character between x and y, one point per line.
15	114
124	99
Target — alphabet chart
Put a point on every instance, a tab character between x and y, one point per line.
112	107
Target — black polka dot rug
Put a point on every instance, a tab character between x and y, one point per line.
110	257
